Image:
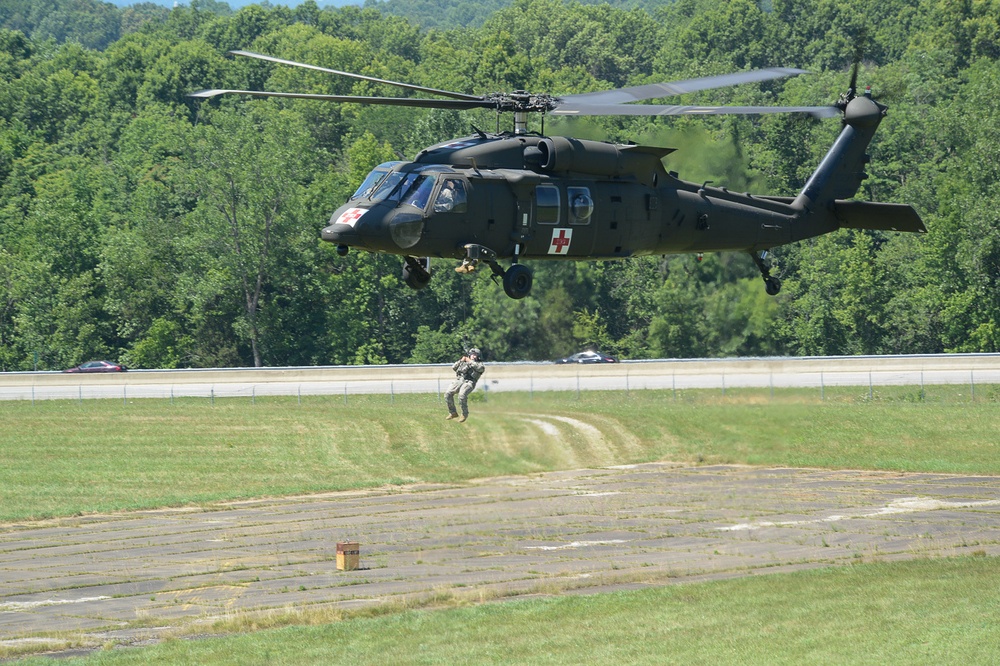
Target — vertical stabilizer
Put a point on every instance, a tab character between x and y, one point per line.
842	171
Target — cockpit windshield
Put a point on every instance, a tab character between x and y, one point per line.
373	179
409	188
395	186
413	188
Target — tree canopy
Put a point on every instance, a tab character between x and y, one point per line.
141	225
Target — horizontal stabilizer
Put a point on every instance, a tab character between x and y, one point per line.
878	216
650	150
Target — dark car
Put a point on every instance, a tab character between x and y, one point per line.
588	357
98	366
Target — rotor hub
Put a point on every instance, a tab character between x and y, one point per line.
863	112
521	101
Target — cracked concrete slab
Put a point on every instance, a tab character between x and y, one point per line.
138	576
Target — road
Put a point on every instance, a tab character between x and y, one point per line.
717	374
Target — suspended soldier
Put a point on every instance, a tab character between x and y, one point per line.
468	370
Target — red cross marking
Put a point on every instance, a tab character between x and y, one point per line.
561	241
351	216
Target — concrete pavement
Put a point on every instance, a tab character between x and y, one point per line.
144	576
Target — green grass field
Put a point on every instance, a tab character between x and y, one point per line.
63	458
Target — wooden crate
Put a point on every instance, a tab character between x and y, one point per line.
348	555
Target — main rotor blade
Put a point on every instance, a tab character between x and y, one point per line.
408	86
387	101
665	110
656	90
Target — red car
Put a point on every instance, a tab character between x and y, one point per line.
98	366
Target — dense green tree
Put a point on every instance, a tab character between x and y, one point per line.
182	69
91	23
138	15
675	331
717	40
139	223
247	170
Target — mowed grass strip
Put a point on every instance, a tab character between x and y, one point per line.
917	612
60	458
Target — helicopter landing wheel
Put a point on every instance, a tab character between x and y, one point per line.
517	281
772	285
416	272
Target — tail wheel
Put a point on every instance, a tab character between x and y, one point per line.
772	285
517	281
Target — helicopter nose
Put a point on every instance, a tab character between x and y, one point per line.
332	234
343	227
376	229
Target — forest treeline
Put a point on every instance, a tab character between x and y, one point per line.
141	225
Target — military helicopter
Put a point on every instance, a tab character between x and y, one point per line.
513	195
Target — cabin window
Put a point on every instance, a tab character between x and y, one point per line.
547	204
581	205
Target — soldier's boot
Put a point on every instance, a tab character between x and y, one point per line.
468	266
451	416
473	254
464	418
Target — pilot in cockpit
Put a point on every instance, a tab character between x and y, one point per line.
451	196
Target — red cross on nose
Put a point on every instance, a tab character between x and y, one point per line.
351	216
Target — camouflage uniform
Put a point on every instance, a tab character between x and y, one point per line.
468	370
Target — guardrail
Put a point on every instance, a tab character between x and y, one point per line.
677	374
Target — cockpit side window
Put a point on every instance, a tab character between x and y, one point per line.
452	197
419	192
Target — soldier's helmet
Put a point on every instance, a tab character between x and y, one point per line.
475	352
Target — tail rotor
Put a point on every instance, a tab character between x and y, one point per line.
852	89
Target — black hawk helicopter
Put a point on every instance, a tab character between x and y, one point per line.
521	195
